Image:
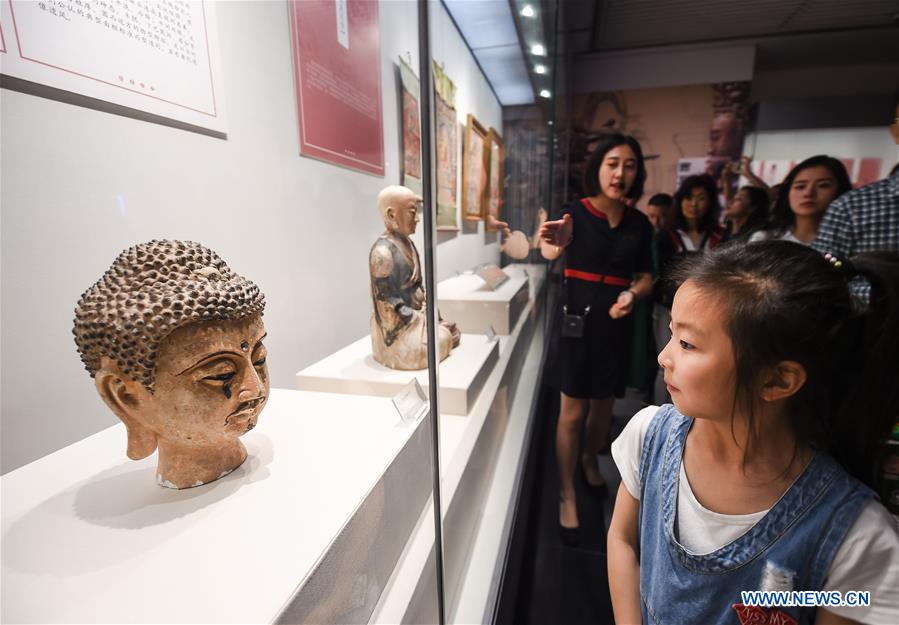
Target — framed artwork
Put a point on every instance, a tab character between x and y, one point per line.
447	145
158	57
497	158
411	125
337	52
474	170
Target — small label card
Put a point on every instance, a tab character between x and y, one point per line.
491	334
493	276
411	402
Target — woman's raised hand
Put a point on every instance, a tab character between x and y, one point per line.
558	232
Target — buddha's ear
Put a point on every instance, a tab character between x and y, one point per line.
128	399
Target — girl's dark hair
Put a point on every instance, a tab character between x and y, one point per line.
759	200
710	219
591	175
784	302
782	217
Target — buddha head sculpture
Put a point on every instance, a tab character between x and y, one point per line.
398	324
173	339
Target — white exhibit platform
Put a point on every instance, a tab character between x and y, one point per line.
534	272
353	370
466	300
308	529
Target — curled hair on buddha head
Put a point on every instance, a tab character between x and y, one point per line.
782	301
150	290
591	175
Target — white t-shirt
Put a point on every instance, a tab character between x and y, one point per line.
769	235
868	559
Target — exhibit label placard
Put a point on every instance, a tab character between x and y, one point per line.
157	57
337	65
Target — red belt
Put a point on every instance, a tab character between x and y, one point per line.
596	277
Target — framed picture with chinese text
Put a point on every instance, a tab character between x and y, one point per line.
447	148
474	170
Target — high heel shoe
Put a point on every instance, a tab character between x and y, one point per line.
570	536
600	490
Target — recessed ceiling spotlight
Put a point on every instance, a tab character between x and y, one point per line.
544	93
528	11
538	50
540	69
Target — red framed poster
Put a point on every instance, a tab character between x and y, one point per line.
337	65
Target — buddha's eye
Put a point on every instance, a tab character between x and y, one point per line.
221	377
259	362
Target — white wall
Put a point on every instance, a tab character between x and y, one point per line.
839	142
80	185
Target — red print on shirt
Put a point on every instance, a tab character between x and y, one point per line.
755	615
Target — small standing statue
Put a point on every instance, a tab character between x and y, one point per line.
173	340
399	321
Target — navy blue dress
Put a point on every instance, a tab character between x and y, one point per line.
600	263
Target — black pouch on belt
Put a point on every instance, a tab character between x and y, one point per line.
572	325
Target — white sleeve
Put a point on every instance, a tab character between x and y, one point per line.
868	560
758	235
627	448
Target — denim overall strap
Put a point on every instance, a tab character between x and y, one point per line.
797	538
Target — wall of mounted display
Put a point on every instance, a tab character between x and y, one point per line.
158	57
301	226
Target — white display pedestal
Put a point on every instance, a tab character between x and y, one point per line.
469	448
353	370
308	529
465	300
534	272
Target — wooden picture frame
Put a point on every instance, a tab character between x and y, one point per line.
474	170
496	157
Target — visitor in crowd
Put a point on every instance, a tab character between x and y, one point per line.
608	256
864	220
745	213
694	230
758	477
659	210
743	167
804	196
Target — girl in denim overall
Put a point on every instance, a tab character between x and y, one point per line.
759	477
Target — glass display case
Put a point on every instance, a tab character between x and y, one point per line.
296	243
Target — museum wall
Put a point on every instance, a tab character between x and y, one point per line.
844	143
79	185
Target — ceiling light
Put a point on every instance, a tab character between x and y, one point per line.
538	50
528	11
540	69
544	93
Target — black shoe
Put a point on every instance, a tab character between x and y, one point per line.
571	536
599	490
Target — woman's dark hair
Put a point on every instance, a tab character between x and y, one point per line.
661	199
591	175
784	302
710	219
759	201
782	217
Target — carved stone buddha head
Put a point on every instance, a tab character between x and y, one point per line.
173	339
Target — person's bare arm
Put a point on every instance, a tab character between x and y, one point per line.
640	288
754	180
624	563
554	236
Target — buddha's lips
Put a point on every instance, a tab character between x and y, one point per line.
245	409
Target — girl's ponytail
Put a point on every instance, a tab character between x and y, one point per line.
867	399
